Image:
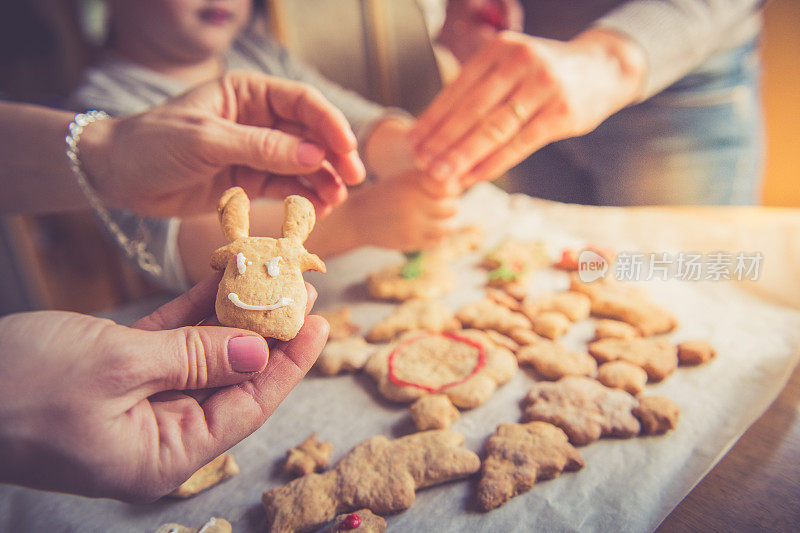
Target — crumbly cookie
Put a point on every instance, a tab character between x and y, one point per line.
341	324
657	357
218	470
656	414
464	365
616	300
378	474
434	411
214	525
361	521
607	328
344	355
622	375
311	455
553	361
262	288
695	352
550	324
574	305
583	408
424	276
519	455
418	314
487	314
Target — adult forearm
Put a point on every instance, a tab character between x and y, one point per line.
35	175
677	35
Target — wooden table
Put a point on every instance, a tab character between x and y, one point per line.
756	486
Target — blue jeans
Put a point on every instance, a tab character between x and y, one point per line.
700	141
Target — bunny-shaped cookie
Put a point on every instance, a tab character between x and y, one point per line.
262	288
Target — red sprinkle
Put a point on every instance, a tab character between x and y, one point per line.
351	521
397	381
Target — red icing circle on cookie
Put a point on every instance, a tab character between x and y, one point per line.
351	521
397	381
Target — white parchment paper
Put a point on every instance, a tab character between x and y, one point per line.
626	485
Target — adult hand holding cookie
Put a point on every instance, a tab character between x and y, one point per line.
94	408
272	137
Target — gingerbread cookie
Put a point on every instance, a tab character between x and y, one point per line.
573	305
215	525
341	324
550	324
657	357
583	408
422	276
311	455
656	414
622	375
461	241
379	474
511	262
433	411
502	297
218	470
423	315
502	341
262	288
553	361
695	352
464	365
487	314
614	329
361	521
345	355
523	336
519	455
616	300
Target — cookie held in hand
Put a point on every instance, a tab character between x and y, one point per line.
262	288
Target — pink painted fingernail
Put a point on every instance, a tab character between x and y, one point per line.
247	354
309	154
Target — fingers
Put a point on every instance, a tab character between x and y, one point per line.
200	357
469	111
471	74
235	412
536	133
497	127
186	310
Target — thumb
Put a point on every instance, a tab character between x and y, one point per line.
266	149
200	357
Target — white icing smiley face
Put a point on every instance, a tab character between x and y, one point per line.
273	270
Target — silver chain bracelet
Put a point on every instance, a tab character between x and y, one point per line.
134	249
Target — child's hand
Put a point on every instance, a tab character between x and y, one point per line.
397	213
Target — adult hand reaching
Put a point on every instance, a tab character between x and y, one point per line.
244	129
518	94
94	408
